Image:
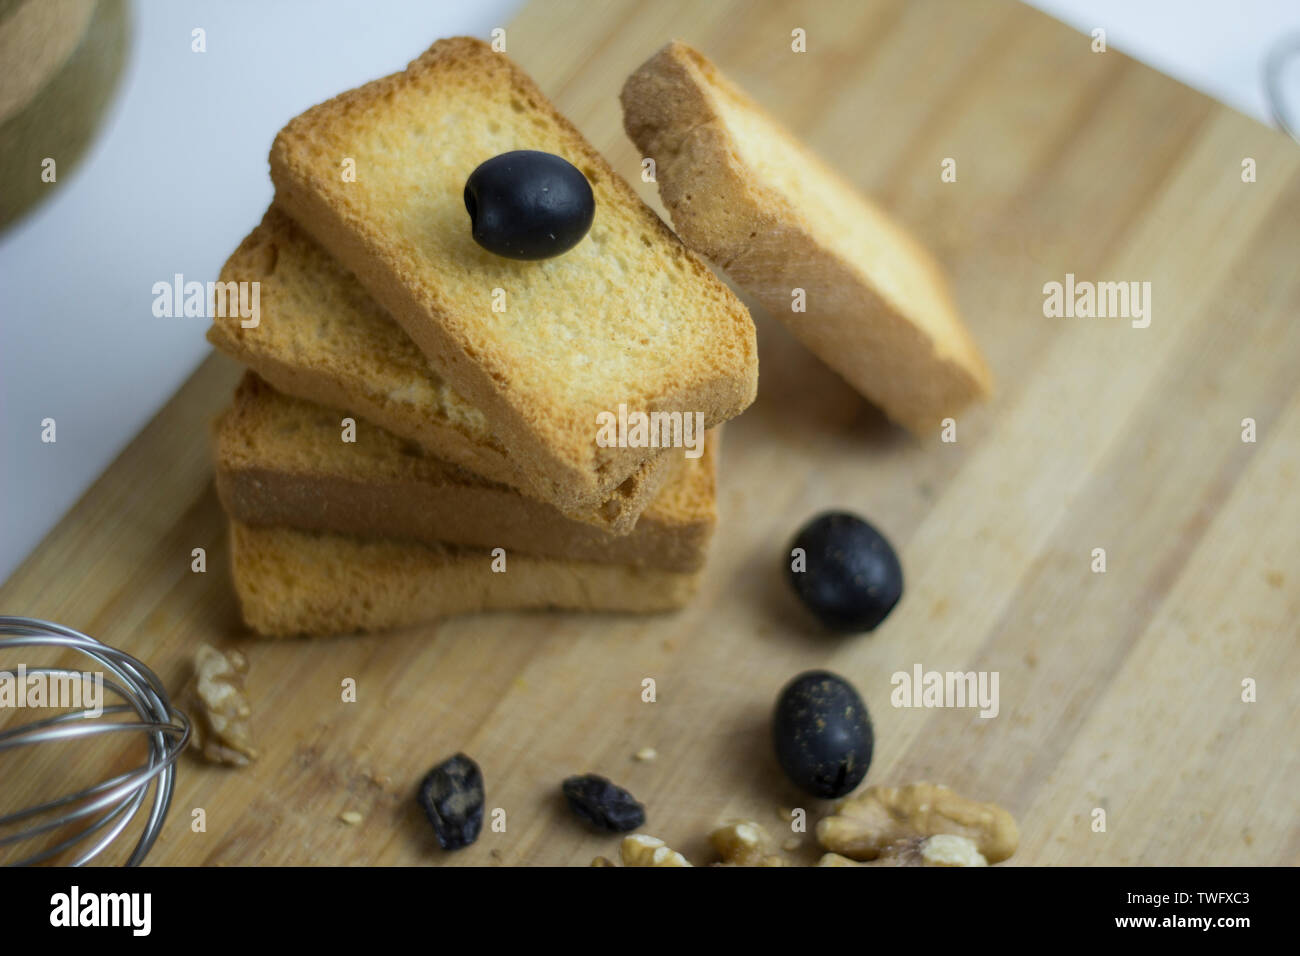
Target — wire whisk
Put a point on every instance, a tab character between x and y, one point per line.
107	807
1275	65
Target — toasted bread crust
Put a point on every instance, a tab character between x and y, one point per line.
296	582
881	317
279	463
322	338
536	409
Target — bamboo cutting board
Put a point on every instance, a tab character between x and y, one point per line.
1120	691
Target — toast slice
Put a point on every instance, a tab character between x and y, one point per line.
319	336
280	462
299	582
743	192
628	317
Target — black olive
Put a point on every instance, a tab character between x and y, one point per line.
452	797
822	733
527	204
852	579
603	804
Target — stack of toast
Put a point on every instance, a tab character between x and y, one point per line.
417	434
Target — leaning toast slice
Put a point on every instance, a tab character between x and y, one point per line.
279	462
320	337
627	317
745	193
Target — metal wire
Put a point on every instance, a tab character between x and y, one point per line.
108	807
1274	65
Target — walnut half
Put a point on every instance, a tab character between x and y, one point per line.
640	849
942	849
219	707
892	822
745	843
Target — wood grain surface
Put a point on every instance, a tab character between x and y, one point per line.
1120	691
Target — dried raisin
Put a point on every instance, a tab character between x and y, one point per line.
603	804
452	797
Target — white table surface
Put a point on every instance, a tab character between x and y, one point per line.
178	175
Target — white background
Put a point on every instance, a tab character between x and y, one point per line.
179	175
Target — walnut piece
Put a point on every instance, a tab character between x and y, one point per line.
642	850
219	707
947	849
882	821
745	843
942	849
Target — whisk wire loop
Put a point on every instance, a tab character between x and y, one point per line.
117	800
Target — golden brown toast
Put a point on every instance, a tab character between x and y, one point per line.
280	462
299	582
319	336
745	193
628	316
